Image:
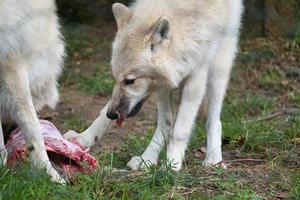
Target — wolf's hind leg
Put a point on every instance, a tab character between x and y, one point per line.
23	113
164	126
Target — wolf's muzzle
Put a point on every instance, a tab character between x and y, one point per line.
123	110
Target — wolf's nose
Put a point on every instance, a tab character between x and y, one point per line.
112	115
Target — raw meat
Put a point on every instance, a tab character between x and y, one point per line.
69	157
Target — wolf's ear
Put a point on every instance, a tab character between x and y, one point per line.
122	14
162	30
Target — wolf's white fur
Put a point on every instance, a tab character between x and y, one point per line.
197	53
31	57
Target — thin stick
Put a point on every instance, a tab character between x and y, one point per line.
244	160
274	115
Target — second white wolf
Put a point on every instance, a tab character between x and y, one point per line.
162	45
31	59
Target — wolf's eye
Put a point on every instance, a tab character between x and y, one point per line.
129	81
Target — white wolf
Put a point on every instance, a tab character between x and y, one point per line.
31	57
162	45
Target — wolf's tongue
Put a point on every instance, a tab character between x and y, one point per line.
120	119
119	122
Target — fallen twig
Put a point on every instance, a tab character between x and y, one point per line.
274	115
244	160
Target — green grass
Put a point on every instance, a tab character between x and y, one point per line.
295	98
159	183
87	67
99	81
73	122
193	182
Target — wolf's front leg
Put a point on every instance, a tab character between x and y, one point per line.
19	102
3	152
93	133
191	97
164	126
216	87
215	92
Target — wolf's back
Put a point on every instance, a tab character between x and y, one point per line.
26	26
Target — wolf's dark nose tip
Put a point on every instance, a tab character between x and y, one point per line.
112	115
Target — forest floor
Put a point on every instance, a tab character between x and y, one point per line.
261	130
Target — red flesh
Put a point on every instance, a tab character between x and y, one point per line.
119	122
82	161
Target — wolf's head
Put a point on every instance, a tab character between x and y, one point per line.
139	50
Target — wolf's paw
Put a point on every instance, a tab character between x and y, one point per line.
74	137
55	177
175	163
175	156
40	160
3	157
213	162
138	162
